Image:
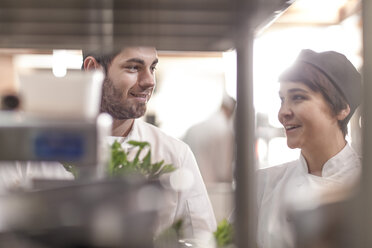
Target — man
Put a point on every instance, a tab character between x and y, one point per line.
212	142
129	83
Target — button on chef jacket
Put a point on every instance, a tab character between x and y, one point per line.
280	185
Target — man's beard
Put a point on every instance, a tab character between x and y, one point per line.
111	103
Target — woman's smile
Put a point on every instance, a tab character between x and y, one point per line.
305	115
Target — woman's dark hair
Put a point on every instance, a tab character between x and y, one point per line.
318	82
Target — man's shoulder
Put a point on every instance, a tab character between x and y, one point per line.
151	133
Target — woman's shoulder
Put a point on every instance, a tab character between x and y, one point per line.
271	177
277	171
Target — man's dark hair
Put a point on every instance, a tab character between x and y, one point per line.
103	59
313	78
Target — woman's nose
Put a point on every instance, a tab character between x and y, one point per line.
284	111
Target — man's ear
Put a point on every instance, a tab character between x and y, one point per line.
90	63
343	113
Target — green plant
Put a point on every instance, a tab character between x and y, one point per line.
120	165
169	237
224	234
71	168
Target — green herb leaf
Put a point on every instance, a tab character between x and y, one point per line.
224	234
146	164
165	169
155	167
71	168
140	144
120	165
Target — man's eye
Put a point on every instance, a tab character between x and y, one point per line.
132	68
153	68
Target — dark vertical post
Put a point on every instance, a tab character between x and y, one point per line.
245	140
365	199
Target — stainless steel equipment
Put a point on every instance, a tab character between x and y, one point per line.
59	120
104	213
27	137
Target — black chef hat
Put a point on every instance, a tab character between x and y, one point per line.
340	71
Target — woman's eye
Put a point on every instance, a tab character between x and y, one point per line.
298	97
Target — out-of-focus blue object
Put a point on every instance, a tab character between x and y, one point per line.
29	138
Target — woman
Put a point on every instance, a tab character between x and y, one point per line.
319	94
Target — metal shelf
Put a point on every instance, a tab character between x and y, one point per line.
178	25
187	25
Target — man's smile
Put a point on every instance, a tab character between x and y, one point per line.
140	96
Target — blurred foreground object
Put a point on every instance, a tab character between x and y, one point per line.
25	137
224	234
109	213
187	25
58	120
9	102
75	96
326	223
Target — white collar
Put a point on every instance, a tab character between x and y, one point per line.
132	135
343	162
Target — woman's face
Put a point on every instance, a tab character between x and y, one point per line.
306	117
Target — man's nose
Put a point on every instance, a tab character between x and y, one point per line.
146	79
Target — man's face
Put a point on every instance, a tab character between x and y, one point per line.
129	83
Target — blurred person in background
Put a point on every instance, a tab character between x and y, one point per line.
128	86
319	93
212	142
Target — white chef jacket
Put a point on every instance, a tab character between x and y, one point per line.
212	142
192	204
280	185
